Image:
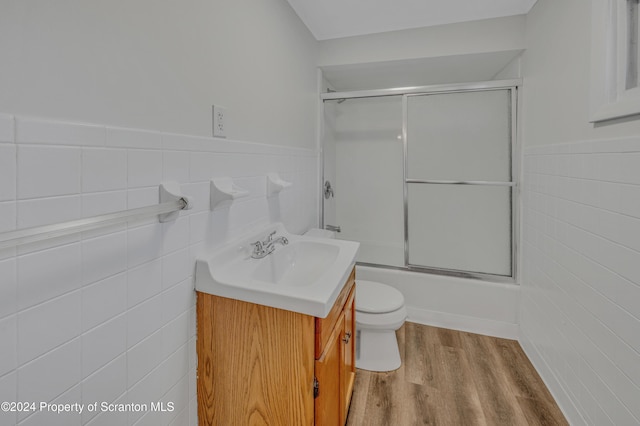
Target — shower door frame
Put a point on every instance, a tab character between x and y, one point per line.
405	92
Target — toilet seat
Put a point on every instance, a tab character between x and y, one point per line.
388	321
377	298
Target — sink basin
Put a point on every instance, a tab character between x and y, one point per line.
303	276
297	264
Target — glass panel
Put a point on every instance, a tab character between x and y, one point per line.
460	136
460	227
363	157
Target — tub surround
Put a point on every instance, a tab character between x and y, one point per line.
457	303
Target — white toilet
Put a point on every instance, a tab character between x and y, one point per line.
380	311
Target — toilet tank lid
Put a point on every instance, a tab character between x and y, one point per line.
377	298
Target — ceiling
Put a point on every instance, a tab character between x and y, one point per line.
328	19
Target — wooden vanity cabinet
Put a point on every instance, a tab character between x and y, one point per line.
259	365
335	358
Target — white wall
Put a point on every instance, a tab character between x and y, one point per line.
161	65
557	63
490	35
580	307
109	315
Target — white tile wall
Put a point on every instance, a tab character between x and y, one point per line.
7	172
45	211
176	267
145	168
62	369
144	244
176	234
106	384
9	287
8	337
176	300
130	138
580	311
6	128
145	281
103	343
109	315
52	418
48	171
8	387
103	300
62	324
48	273
103	169
8	211
175	166
175	334
103	257
38	131
143	320
98	203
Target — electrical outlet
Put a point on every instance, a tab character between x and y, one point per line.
219	121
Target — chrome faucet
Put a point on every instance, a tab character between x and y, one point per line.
264	248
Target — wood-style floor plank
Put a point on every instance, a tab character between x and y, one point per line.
501	407
454	378
460	402
541	413
418	365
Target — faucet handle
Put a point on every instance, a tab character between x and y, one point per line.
258	250
269	238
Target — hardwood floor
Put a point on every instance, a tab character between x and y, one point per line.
454	378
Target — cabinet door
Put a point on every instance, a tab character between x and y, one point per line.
329	404
348	372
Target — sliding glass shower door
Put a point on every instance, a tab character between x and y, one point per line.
459	181
363	163
424	180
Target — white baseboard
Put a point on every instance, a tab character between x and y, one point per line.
484	326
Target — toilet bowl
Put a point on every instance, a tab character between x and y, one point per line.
380	311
